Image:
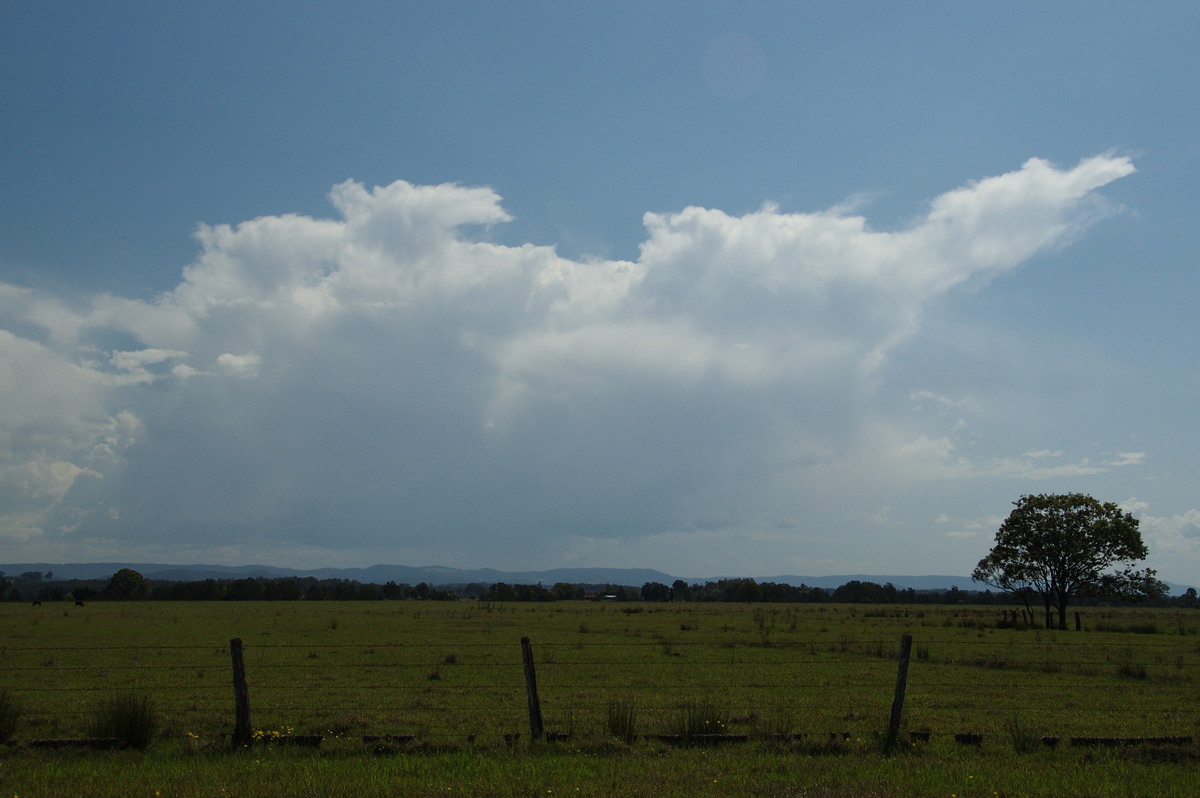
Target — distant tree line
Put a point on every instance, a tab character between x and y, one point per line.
129	585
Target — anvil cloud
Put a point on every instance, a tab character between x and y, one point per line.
389	384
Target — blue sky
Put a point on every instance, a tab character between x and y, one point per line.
713	288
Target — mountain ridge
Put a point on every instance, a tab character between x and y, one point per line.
436	575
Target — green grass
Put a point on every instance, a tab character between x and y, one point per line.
451	674
601	771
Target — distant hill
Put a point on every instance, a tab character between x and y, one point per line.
178	573
376	574
438	575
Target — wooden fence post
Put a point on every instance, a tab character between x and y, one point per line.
898	702
535	706
241	695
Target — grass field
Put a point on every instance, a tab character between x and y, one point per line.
800	693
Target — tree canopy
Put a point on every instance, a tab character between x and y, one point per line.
127	584
1062	546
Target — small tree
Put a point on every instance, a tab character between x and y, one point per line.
1065	546
565	591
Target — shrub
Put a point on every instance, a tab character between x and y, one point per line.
131	718
10	714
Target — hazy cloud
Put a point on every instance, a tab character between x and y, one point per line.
969	528
734	66
1166	536
1043	453
1127	459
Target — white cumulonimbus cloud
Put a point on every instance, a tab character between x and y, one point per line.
390	377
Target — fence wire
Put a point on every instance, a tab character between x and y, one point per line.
444	690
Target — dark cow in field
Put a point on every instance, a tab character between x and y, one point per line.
78	603
37	603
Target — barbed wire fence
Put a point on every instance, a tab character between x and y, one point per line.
450	692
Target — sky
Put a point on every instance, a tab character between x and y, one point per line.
721	289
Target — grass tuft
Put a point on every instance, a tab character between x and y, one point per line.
622	719
10	715
1024	740
774	724
1131	670
697	718
131	718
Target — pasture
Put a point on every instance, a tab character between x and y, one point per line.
424	698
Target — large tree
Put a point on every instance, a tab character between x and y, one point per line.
1065	546
127	584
